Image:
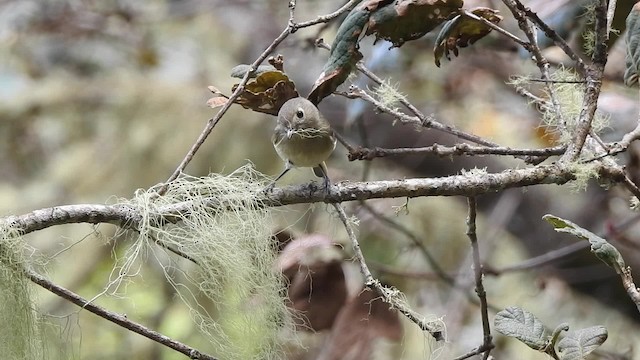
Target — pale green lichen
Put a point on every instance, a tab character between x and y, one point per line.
389	95
227	232
20	335
583	173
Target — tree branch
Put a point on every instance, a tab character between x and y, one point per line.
470	184
389	295
115	318
487	339
463	149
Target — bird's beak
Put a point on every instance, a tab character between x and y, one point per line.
289	133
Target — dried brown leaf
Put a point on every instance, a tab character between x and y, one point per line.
317	290
463	31
267	92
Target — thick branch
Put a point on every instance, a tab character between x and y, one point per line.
469	184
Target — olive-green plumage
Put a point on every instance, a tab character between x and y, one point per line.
302	137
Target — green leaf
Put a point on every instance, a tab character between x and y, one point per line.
599	246
580	343
462	31
239	71
344	52
632	40
522	325
407	20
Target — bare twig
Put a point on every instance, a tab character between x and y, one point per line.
495	27
115	318
487	339
456	150
550	33
541	61
388	295
541	260
438	270
620	146
630	286
481	349
419	119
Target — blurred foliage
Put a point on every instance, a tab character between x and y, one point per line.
98	99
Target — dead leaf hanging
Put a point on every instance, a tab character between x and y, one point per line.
463	31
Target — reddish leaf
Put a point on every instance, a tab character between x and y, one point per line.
463	31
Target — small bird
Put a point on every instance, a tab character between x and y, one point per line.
303	138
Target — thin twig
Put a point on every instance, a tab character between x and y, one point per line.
549	32
415	240
540	60
539	261
630	286
419	118
487	339
495	27
388	295
115	318
448	151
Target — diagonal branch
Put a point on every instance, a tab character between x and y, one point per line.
115	318
391	296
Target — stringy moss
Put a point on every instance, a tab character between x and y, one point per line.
20	336
235	255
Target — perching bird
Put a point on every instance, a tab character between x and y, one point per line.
303	138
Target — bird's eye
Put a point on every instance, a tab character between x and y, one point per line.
299	114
